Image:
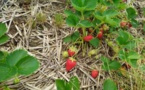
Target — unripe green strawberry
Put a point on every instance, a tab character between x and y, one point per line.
70	64
94	73
92	52
105	27
65	54
110	43
115	49
72	51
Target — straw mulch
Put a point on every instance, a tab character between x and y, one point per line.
45	42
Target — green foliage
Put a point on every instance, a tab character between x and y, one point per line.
130	57
109	84
94	42
110	65
73	84
72	38
18	62
3	37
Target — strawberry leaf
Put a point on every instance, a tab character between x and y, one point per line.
109	84
133	55
27	65
131	13
74	82
6	72
3	29
72	20
85	23
14	57
60	84
72	38
84	5
114	65
94	42
4	39
110	13
75	36
67	39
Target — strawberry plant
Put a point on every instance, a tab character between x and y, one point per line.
3	36
72	84
18	62
98	22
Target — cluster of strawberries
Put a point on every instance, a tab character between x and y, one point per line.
99	35
71	62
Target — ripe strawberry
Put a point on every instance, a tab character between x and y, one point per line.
129	25
88	38
72	51
123	24
94	73
100	35
70	63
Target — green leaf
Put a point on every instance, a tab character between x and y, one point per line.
27	65
123	38
85	23
2	55
114	65
72	38
84	5
67	39
110	13
3	29
144	27
78	4
131	12
116	2
122	55
99	16
68	12
72	20
14	57
60	84
94	42
105	60
122	6
130	45
109	84
4	39
75	36
74	82
133	55
90	4
111	21
134	23
133	63
7	72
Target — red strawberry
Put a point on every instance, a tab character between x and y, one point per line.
129	25
72	51
70	63
94	73
100	35
88	38
123	24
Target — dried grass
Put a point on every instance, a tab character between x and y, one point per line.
45	42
